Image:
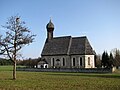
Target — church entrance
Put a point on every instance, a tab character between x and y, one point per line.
42	64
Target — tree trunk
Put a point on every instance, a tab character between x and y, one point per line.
14	70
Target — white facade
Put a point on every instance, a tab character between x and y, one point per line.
89	61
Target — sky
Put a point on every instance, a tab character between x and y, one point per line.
99	20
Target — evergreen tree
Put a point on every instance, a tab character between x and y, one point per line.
105	59
111	60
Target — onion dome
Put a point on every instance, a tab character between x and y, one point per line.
50	25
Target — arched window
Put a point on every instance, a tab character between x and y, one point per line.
52	62
63	61
73	63
88	60
58	62
80	61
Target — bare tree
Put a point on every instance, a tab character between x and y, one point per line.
17	36
116	54
98	60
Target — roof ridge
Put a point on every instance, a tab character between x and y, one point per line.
80	37
62	37
69	46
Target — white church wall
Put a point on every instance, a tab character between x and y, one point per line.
91	63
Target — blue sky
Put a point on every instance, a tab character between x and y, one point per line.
99	20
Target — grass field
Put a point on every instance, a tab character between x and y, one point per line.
57	81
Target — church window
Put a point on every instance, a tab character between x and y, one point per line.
88	60
63	61
80	61
73	61
53	62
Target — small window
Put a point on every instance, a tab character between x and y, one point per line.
53	62
63	61
80	61
73	61
88	60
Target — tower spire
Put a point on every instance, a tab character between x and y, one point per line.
50	18
50	29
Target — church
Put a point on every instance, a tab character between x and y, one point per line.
66	51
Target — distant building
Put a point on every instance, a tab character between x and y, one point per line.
66	52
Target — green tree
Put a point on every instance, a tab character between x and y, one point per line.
111	60
105	59
17	36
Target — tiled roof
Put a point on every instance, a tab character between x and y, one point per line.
78	45
81	46
58	45
67	46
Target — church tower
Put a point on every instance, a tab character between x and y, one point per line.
50	29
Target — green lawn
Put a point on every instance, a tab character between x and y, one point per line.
57	81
